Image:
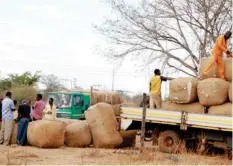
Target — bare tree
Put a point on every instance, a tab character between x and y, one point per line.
177	33
51	82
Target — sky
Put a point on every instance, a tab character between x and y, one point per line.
57	37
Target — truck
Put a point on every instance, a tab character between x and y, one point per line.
166	128
169	129
73	104
70	104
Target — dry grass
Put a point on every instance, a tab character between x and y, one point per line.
86	156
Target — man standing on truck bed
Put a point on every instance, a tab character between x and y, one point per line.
155	89
217	52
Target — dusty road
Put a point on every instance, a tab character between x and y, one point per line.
64	155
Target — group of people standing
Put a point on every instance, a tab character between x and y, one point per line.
26	114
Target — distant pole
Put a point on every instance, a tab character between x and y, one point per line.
91	95
71	84
166	86
113	78
143	123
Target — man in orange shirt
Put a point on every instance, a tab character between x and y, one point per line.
217	52
155	89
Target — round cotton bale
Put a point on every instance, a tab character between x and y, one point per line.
67	121
183	90
93	98
103	125
116	99
129	138
224	109
230	93
46	134
78	135
101	97
192	107
117	109
212	73
14	134
212	91
228	69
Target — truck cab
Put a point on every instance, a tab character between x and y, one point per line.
70	104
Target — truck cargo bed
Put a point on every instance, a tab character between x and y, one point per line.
195	120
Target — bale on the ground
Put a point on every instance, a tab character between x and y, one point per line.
14	133
213	72
117	109
183	90
228	69
103	125
230	93
67	121
212	91
78	134
192	107
129	138
224	109
46	134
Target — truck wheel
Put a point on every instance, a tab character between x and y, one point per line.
155	136
169	141
229	154
82	118
148	135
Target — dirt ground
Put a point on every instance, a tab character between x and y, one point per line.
90	156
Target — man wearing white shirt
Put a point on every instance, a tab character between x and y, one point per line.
7	119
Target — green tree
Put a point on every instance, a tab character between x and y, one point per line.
27	78
5	84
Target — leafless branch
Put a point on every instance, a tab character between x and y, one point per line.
180	30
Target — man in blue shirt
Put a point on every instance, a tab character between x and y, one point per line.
7	119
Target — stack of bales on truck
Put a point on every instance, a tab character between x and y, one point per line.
73	104
112	98
211	94
198	114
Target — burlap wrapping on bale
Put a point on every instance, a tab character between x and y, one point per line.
192	107
183	90
105	97
129	138
230	93
213	72
103	125
117	109
228	69
78	134
94	98
224	109
46	134
116	98
66	122
14	133
212	91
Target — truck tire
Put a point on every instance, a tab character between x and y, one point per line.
229	154
82	118
169	141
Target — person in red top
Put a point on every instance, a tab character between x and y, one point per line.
38	108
